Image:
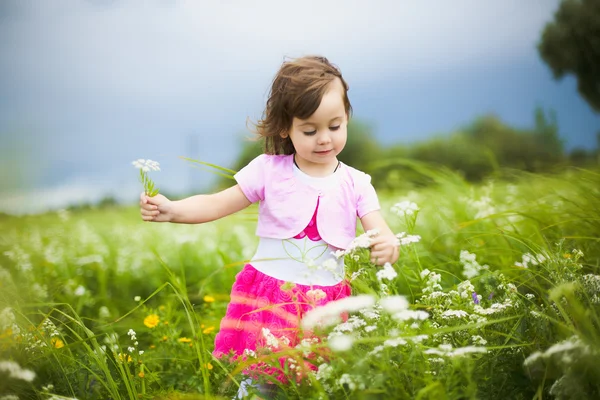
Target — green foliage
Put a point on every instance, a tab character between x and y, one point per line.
571	45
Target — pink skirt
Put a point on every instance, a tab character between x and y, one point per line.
260	301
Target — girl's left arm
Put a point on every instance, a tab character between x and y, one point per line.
384	246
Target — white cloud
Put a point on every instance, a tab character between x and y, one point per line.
116	79
181	49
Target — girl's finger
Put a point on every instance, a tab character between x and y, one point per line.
149	212
378	253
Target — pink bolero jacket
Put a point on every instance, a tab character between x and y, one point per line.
287	204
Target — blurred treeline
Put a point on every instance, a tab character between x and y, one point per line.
485	147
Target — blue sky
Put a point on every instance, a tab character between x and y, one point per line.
88	86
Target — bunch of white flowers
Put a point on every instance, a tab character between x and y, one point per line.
471	266
146	166
330	313
405	208
533	259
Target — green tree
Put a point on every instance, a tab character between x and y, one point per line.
571	45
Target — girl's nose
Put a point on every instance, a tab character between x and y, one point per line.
324	138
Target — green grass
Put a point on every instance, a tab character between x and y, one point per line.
82	270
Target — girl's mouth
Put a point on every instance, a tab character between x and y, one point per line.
322	153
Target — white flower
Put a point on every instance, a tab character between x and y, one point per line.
465	289
338	253
362	241
330	313
79	291
578	253
306	345
341	343
353	323
249	353
533	259
394	304
418	338
7	318
324	372
137	298
103	312
471	266
406	315
131	349
357	274
370	313
446	350
404	239
10	397
388	272
454	314
351	382
466	350
141	352
272	341
478	340
394	342
404	208
376	350
424	273
16	372
372	232
146	165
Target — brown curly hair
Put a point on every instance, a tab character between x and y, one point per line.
296	92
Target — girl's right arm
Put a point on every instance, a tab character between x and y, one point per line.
195	209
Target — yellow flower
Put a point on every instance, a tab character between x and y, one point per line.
151	321
141	374
567	255
184	340
124	357
209	366
152	346
57	343
165	338
208	330
209	299
7	333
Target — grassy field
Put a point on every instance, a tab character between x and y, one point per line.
496	295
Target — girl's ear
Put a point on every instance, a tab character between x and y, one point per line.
284	135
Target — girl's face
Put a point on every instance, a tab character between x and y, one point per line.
320	138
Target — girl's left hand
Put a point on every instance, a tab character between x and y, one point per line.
384	249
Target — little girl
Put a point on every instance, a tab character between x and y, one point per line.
309	202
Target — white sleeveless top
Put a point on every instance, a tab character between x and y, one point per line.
304	259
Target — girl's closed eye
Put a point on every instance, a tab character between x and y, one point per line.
332	128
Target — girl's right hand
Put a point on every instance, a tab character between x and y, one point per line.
155	209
